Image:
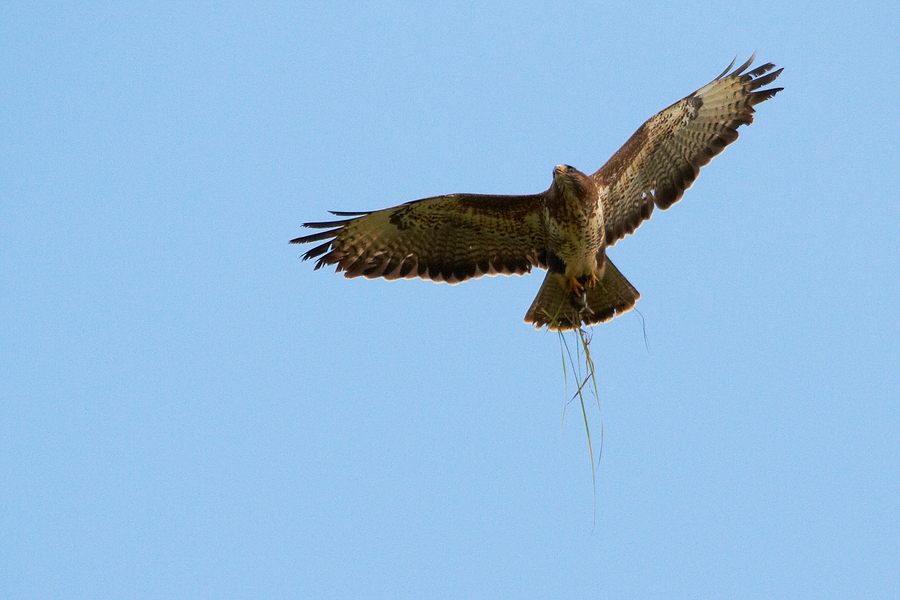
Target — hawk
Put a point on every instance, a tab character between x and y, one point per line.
565	229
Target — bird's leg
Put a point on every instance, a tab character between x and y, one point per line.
575	287
577	292
591	281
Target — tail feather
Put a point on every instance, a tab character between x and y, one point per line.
559	309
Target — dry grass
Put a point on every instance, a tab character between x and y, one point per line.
581	365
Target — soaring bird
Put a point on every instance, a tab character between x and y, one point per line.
565	229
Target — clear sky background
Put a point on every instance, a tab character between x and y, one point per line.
189	410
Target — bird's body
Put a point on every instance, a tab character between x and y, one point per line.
574	219
565	229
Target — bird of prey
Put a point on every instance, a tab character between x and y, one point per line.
565	229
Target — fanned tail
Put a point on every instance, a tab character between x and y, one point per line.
559	309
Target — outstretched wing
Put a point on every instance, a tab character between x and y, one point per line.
446	238
664	156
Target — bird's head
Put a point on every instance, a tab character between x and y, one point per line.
568	179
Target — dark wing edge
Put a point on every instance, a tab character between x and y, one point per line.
664	156
325	235
448	238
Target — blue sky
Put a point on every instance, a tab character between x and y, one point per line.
189	410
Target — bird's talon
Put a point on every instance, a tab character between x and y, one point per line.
575	286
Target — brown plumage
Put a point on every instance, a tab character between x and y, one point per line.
565	229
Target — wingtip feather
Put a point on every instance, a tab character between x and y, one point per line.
728	68
744	66
340	213
315	237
